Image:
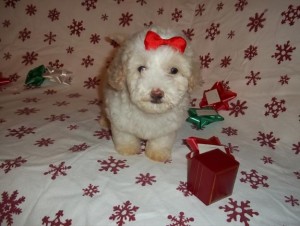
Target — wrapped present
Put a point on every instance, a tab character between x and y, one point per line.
211	175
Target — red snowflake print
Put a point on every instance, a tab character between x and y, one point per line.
180	220
267	160
254	179
26	111
213	31
177	15
9	164
189	33
44	142
125	19
7	56
296	148
238	108
241	211
220	6
91	190
256	22
6	23
50	38
267	139
61	103
21	131
292	200
229	131
103	133
9	207
57	220
70	50
31	100
104	17
14	77
283	52
95	38
146	179
74	95
232	148
284	79
119	1
89	4
160	11
57	170
275	107
88	61
53	14
73	127
250	52
61	117
56	64
183	188
225	62
291	15
253	77
297	174
92	83
239	6
148	25
112	164
124	212
29	58
231	34
76	28
205	60
24	34
225	84
11	3
200	9
50	92
143	2
30	10
79	147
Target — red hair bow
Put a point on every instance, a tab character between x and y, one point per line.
153	41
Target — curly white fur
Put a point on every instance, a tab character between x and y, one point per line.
134	114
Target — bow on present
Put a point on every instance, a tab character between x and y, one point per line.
35	76
153	41
202	120
3	80
224	96
192	143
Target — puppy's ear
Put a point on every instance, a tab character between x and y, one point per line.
193	78
115	72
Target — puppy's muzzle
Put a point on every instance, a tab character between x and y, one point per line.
156	96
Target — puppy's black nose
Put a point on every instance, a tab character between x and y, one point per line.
156	96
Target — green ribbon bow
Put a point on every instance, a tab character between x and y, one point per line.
202	120
35	76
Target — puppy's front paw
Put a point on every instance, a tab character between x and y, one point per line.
128	149
158	155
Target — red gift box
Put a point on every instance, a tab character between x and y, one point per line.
211	175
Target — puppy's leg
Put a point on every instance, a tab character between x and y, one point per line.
125	143
160	149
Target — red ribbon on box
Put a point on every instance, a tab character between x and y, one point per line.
4	81
224	95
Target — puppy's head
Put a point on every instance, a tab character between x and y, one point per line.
157	76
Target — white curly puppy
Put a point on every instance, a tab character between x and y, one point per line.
147	92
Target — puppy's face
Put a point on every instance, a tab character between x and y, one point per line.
157	80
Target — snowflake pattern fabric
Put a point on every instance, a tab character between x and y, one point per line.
54	153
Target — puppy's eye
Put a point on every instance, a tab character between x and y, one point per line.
141	69
173	71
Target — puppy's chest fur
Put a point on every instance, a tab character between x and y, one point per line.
127	117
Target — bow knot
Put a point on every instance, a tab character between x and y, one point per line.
153	41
